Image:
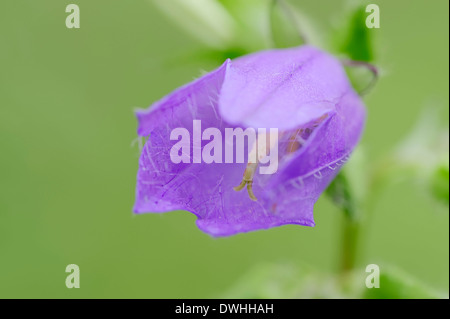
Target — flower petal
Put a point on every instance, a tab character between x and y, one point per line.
203	92
284	88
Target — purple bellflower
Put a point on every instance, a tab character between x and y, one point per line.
303	92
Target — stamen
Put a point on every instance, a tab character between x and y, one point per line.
296	141
240	186
257	153
320	120
294	144
250	191
248	180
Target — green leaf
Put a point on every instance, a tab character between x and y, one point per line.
439	184
396	284
356	39
252	20
348	190
340	193
206	20
285	280
267	281
423	155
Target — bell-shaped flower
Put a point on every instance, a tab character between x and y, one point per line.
252	144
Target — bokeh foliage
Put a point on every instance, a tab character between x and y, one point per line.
68	167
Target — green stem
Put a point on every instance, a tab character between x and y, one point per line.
350	234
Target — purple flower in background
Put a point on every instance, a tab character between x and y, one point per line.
303	92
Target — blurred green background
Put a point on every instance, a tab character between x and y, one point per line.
68	165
